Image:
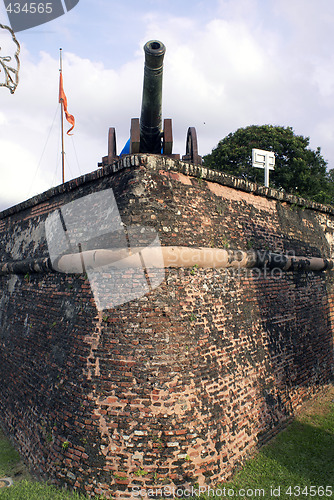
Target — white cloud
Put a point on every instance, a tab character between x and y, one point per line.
16	173
218	74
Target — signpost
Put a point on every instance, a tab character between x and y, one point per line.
264	159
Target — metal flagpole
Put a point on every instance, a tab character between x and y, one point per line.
62	125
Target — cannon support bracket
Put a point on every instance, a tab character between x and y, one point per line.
134	136
167	140
112	156
192	148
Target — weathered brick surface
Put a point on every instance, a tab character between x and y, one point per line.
181	385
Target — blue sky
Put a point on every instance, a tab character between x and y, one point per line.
229	64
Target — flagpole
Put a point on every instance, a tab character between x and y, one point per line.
62	125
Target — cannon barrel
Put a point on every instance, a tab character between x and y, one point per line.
151	110
147	135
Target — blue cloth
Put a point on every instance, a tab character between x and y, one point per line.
126	149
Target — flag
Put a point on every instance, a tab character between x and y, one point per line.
63	99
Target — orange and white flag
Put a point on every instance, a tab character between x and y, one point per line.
63	99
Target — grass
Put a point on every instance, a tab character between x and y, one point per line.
25	488
299	461
32	490
9	458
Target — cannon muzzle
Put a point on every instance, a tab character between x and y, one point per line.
150	118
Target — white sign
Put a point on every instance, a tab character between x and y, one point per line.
264	159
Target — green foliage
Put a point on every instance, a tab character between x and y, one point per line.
120	476
141	472
224	243
194	268
298	169
65	445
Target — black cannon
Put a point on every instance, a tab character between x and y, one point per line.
150	118
147	134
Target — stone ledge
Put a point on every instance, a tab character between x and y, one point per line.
173	165
243	185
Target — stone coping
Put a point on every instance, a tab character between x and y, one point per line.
158	162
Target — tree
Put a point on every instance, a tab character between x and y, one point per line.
298	169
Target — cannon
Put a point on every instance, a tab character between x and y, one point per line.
148	134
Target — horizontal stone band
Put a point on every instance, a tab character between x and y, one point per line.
168	256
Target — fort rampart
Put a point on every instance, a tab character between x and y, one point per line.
181	385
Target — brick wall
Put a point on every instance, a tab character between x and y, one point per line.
181	385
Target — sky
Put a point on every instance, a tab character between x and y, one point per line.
228	64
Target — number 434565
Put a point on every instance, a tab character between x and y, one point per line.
29	8
311	491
